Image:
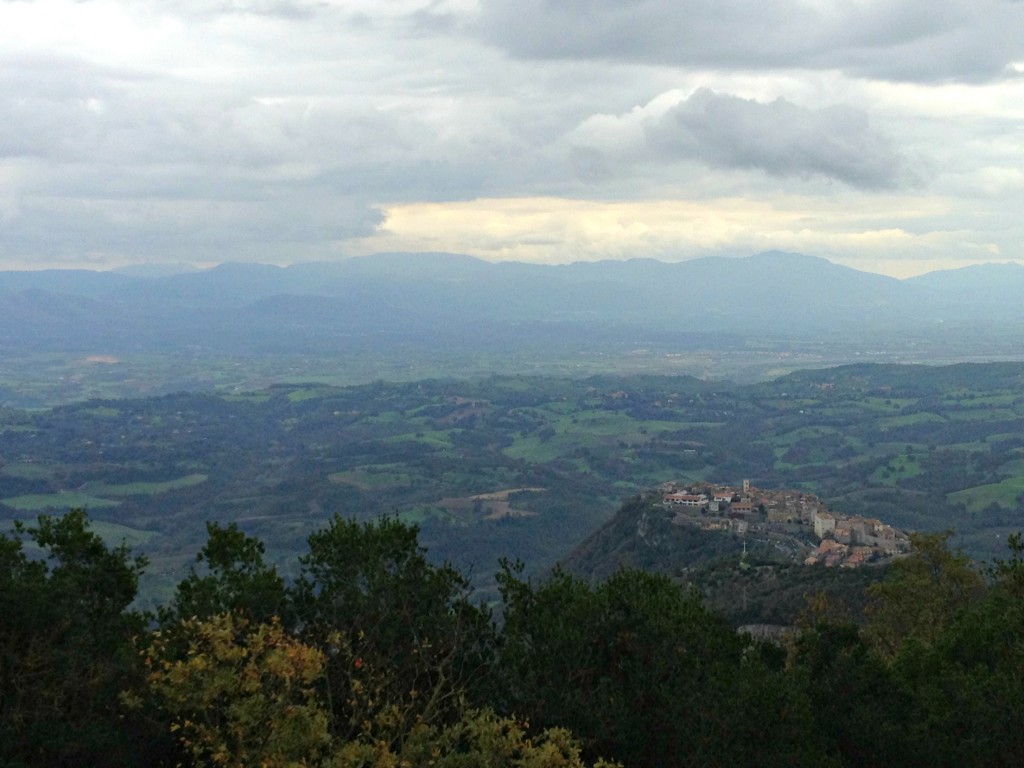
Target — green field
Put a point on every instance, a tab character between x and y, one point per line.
882	441
148	489
28	471
436	439
103	411
373	477
983	414
114	534
978	498
909	420
38	502
301	395
896	469
787	439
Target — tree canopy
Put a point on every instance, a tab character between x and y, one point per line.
377	656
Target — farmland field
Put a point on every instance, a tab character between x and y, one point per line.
892	442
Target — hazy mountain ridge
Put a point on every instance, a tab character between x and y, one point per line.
772	293
998	287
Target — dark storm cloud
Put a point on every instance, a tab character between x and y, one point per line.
915	40
779	138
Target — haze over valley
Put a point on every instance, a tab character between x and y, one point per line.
71	335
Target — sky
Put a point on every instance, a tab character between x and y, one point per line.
886	135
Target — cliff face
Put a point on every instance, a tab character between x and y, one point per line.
641	535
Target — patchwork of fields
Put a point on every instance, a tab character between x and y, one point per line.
517	466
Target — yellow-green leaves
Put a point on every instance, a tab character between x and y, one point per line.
243	695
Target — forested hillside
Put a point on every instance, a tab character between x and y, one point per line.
748	579
521	467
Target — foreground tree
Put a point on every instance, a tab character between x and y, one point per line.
968	683
241	694
478	738
848	683
937	676
232	576
66	647
642	672
921	595
403	642
248	695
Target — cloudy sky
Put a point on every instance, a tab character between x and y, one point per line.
887	135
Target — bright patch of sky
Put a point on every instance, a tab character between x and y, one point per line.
888	136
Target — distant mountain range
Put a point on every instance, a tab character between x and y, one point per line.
452	298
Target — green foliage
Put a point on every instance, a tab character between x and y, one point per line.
921	595
935	678
246	695
968	683
241	695
643	673
847	683
405	622
387	652
66	646
478	738
236	580
386	663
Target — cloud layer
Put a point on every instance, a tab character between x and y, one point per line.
779	138
918	40
287	130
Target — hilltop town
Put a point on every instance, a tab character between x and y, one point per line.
796	522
